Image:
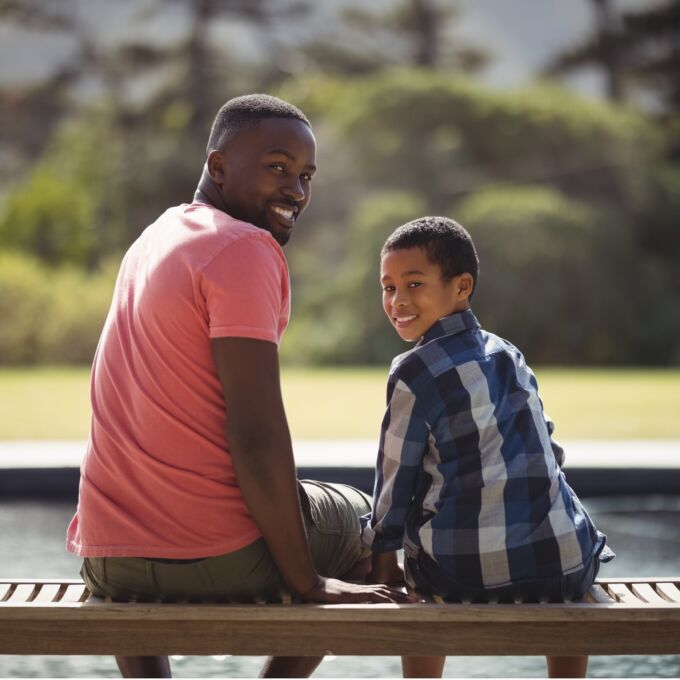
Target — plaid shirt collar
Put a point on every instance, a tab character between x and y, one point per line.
451	325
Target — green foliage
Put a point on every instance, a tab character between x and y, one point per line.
565	282
49	215
564	196
51	315
66	209
444	137
24	301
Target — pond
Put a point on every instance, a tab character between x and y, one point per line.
644	531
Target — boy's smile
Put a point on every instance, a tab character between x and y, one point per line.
415	296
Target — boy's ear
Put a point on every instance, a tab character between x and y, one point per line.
463	286
215	165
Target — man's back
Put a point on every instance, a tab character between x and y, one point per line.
157	478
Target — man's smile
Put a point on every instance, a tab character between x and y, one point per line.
286	214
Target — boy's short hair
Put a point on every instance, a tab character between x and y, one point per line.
247	111
446	243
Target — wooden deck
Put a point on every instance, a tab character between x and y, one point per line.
621	616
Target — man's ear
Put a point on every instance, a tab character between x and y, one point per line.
463	286
215	166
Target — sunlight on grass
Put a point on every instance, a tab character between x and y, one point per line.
334	403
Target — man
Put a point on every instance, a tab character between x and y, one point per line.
188	487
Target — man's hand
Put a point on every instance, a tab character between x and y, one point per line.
334	591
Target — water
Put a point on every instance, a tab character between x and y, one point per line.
644	531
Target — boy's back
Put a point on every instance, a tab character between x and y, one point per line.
486	499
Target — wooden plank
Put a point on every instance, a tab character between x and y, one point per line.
411	614
668	591
621	593
248	637
645	592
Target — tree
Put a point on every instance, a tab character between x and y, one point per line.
407	33
638	49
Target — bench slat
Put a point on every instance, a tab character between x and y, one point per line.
669	591
75	593
621	593
6	590
21	592
647	593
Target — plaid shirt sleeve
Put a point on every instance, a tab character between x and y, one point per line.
403	442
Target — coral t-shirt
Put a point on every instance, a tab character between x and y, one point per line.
157	479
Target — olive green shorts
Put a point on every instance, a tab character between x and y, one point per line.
331	516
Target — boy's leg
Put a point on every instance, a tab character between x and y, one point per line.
422	666
567	666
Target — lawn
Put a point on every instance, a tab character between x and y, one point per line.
53	403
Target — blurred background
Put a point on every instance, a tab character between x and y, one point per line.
549	128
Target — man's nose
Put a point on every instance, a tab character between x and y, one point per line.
294	190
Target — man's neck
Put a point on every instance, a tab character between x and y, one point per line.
208	192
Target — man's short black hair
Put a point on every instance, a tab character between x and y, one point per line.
446	243
245	112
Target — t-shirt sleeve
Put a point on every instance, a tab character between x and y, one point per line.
245	288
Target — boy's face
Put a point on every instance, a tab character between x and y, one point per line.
415	296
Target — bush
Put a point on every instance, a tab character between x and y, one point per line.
24	304
51	315
79	303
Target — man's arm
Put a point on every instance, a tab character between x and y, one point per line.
262	454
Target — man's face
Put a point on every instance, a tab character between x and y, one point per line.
266	174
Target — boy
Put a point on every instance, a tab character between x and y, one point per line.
468	478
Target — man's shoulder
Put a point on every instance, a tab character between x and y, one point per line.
213	236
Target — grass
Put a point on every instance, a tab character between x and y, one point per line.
53	403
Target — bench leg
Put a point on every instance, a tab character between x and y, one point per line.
567	666
144	666
290	666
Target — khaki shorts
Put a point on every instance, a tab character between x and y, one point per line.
331	516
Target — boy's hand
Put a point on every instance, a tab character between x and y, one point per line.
334	591
386	569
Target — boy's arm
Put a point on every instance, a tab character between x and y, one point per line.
402	445
557	449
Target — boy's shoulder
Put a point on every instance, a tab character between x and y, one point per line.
428	360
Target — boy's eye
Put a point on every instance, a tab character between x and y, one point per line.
279	167
388	289
306	177
414	284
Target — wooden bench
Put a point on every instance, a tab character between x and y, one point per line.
620	616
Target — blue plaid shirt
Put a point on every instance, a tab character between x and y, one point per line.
467	469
